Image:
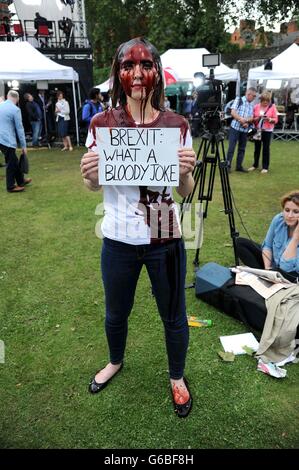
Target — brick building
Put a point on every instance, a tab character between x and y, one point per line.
248	35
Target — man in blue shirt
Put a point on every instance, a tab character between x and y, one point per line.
10	127
242	113
92	106
35	116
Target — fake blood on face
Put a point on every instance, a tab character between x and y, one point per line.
138	74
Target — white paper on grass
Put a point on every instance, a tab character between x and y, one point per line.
135	156
235	343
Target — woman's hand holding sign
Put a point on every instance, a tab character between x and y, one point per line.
89	170
187	161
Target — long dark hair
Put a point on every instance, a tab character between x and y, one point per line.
118	94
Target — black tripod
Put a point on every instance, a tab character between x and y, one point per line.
212	140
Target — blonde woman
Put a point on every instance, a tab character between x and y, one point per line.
265	117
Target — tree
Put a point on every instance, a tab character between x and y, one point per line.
204	23
263	11
114	22
166	25
174	23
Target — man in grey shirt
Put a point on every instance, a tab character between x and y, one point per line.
11	127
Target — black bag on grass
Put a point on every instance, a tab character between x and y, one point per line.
215	285
24	163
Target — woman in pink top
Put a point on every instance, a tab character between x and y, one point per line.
265	118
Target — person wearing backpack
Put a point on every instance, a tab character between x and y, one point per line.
228	111
265	118
91	106
242	113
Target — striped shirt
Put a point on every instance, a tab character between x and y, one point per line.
245	110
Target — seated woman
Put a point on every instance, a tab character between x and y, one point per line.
280	249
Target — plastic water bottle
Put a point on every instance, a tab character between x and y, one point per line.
195	321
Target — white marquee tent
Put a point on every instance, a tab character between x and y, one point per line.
21	61
104	87
285	66
186	62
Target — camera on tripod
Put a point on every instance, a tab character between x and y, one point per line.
211	153
209	94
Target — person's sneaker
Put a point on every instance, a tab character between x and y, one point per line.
16	189
264	170
242	170
252	168
27	180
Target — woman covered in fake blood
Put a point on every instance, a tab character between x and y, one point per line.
141	224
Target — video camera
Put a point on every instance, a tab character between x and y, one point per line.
209	94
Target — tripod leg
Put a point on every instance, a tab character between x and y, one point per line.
199	240
227	197
205	194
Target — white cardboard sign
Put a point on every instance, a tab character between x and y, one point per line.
135	156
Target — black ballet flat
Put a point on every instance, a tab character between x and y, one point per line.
95	387
182	411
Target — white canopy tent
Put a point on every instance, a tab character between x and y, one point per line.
21	61
285	66
104	87
186	62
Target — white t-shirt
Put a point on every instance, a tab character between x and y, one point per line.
139	215
63	109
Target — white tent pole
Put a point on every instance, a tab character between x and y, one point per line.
76	112
79	94
238	86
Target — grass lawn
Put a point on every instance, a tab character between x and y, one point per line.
52	324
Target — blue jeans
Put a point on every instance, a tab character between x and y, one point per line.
166	266
36	131
234	137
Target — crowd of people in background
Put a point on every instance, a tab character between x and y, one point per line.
47	117
251	117
51	118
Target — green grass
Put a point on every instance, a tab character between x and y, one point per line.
52	316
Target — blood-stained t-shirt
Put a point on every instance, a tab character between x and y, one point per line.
139	215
